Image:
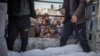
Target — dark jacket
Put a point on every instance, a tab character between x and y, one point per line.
14	8
4	1
75	7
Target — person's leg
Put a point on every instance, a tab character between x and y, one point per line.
3	13
24	30
66	32
81	34
12	32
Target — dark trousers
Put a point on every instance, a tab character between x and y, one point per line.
80	31
18	25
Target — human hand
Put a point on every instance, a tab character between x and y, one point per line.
63	11
74	19
34	20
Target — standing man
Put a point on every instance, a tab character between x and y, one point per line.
75	20
3	14
19	13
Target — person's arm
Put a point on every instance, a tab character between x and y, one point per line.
80	9
42	32
32	10
47	35
63	6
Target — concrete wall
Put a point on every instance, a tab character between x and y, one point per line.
41	43
35	43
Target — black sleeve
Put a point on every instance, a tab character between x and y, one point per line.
32	10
